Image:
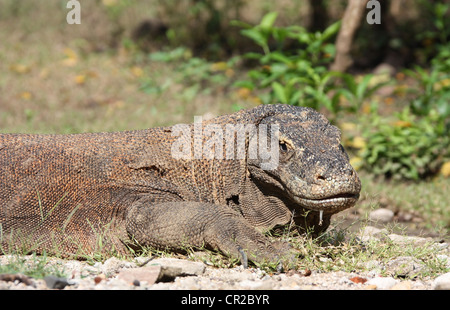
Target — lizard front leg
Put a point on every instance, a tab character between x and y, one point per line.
178	225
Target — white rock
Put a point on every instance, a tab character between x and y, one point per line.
381	215
187	267
406	266
410	240
112	265
442	282
370	232
382	283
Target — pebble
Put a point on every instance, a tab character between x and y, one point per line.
409	240
112	265
58	283
187	268
442	282
404	266
193	275
402	286
382	283
369	232
381	215
148	274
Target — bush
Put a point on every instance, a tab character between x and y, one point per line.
433	86
408	147
300	75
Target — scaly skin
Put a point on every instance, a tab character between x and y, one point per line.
76	194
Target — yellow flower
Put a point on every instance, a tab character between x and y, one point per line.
71	58
366	108
20	68
80	79
219	66
445	169
137	71
347	126
229	72
402	124
358	143
26	95
109	2
243	93
356	162
441	84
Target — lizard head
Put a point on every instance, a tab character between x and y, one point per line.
313	167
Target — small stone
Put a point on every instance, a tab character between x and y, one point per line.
11	277
187	268
405	285
442	282
404	266
382	215
409	240
371	287
53	282
358	279
112	265
382	283
148	273
370	232
99	279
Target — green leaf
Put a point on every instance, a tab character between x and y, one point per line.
278	56
256	36
268	20
331	30
362	86
280	92
244	84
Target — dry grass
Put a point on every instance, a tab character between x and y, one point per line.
53	82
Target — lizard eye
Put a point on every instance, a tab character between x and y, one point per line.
283	147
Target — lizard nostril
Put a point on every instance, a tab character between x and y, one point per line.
321	177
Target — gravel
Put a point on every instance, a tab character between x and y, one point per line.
183	274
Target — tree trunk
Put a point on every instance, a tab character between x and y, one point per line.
350	23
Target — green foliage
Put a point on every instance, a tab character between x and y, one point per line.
195	74
436	13
407	148
300	76
209	18
433	91
35	267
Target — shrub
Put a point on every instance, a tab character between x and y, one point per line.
408	147
433	86
300	75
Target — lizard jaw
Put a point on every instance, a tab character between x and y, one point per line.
331	204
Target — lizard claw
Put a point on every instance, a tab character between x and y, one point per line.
280	268
244	259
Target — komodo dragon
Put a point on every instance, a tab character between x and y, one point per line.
67	194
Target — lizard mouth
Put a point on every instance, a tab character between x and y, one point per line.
330	204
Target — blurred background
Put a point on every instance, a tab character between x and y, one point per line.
135	64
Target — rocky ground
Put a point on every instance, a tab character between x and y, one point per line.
179	274
183	274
